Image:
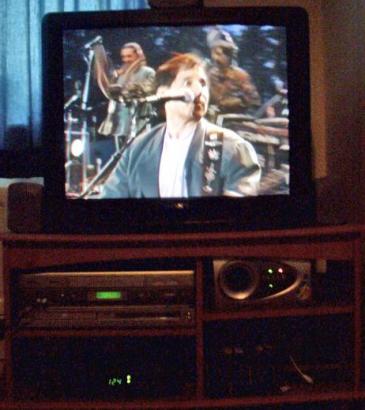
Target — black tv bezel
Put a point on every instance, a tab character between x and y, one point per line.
192	214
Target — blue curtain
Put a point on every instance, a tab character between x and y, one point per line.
20	56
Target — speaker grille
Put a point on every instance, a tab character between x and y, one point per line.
25	207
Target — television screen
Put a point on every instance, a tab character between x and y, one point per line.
198	115
244	68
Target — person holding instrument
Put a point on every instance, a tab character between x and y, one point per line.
232	89
186	156
134	79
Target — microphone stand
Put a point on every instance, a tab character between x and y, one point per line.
112	162
107	168
84	109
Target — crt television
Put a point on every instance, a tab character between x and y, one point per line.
81	153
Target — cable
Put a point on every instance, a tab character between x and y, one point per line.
305	377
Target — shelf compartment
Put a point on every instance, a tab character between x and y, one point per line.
116	369
264	356
242	288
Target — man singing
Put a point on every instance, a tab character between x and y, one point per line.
186	156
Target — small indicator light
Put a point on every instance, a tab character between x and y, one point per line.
271	286
281	270
129	379
270	271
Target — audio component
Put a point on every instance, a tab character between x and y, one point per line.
25	207
110	317
107	299
104	368
249	368
242	282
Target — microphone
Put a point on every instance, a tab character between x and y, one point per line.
70	101
74	97
96	40
184	95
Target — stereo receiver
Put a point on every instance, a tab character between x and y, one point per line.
107	299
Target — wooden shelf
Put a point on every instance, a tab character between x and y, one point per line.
297	396
278	312
28	253
152	332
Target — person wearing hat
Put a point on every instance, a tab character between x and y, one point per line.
231	88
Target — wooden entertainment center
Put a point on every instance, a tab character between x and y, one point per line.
324	335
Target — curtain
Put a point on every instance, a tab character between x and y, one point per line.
20	59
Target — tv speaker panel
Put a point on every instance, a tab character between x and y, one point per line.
244	282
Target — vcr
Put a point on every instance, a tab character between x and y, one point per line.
107	299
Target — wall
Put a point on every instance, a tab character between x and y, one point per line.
344	32
337	31
362	111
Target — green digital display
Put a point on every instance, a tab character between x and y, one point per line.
116	381
109	295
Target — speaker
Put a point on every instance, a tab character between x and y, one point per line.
25	207
242	282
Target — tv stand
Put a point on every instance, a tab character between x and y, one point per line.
286	352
